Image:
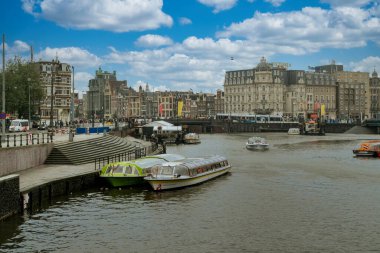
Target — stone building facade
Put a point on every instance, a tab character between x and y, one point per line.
56	79
374	86
255	91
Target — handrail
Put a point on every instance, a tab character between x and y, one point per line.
125	156
27	139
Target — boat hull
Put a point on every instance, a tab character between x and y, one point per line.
257	147
168	184
124	181
367	153
192	141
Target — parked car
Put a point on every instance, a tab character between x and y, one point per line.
42	126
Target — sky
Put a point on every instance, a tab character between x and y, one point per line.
190	44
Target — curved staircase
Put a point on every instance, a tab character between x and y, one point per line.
87	151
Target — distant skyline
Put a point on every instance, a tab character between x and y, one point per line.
189	44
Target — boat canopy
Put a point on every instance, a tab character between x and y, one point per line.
254	140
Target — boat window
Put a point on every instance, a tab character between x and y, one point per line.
147	171
109	169
135	171
118	169
166	170
181	170
155	169
193	172
128	170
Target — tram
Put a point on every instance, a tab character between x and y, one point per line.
249	118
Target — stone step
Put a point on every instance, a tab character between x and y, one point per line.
87	151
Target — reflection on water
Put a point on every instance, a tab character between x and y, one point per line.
303	194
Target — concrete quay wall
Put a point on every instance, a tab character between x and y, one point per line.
16	159
10	195
41	196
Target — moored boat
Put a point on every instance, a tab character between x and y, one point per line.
294	131
368	148
191	138
257	143
128	173
187	172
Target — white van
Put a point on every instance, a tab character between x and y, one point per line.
19	125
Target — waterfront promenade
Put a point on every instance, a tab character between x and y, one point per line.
43	174
28	186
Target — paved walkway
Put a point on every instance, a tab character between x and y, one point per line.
46	173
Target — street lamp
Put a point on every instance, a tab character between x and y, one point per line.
30	125
72	101
4	116
71	135
51	95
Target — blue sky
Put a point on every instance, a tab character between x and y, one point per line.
183	44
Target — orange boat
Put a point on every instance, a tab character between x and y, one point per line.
368	148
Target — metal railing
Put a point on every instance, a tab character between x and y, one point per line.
126	156
27	139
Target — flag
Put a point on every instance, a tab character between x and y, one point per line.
317	106
180	105
323	111
161	108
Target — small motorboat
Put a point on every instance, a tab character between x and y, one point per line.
191	138
294	131
368	148
257	143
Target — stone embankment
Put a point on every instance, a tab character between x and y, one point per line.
28	183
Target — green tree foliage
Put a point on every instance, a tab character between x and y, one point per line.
22	77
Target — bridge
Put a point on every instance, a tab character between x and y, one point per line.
372	124
227	126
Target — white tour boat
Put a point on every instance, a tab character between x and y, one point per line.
187	172
191	138
257	143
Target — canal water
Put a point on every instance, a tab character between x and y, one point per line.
305	194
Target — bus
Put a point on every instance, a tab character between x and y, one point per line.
19	125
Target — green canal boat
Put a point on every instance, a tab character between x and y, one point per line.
128	173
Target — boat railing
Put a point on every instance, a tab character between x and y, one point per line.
138	152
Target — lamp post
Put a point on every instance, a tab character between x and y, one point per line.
71	134
72	101
51	96
3	93
29	118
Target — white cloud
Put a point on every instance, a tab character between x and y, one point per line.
110	15
72	55
366	64
196	63
308	30
152	40
219	5
185	21
81	80
275	3
20	46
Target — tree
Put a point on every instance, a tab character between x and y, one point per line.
22	77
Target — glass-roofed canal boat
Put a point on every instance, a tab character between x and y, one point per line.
187	172
128	173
